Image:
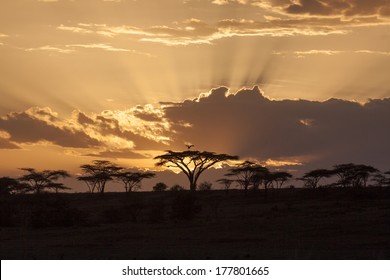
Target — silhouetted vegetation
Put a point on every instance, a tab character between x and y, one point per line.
192	163
226	183
160	187
176	188
321	223
40	181
10	185
331	216
312	178
205	186
132	180
97	174
249	174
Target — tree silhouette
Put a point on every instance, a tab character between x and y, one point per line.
176	188
132	180
10	185
353	175
313	177
46	179
248	173
280	177
387	178
97	174
192	163
160	187
226	183
58	187
205	186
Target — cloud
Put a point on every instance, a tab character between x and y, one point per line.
5	144
123	153
194	31
117	134
70	48
4	141
331	8
105	47
32	126
50	48
330	52
299	131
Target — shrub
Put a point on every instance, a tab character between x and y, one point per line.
160	187
205	186
176	188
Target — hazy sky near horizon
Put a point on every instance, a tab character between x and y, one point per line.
83	79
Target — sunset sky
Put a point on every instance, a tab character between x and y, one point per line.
291	83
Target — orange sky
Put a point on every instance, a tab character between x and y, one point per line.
82	79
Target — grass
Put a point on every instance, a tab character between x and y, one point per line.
284	224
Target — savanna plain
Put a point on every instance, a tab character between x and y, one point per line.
329	223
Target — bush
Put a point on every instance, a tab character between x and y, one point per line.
205	186
176	188
160	187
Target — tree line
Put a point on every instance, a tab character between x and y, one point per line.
192	163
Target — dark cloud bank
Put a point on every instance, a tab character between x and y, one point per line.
316	133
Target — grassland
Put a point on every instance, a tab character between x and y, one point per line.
278	224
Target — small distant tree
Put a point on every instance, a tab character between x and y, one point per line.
97	174
381	179
248	173
132	180
226	183
160	187
312	178
176	188
57	187
39	181
387	179
205	186
10	185
280	178
192	163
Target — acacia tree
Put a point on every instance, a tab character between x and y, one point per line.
226	182
97	174
132	180
38	181
387	179
10	185
192	163
353	175
312	178
248	173
280	177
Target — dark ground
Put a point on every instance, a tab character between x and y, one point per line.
284	224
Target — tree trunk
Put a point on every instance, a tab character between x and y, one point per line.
193	186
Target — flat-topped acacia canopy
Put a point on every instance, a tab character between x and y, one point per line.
192	163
